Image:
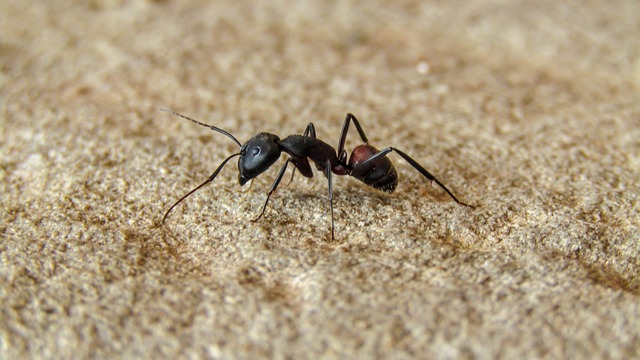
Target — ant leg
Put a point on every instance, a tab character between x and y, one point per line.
416	166
327	172
210	179
273	188
293	173
342	154
310	130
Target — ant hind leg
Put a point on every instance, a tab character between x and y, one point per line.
412	162
345	129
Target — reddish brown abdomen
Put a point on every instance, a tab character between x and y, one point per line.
379	174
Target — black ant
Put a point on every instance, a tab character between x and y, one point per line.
367	164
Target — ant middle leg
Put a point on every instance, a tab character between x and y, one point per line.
327	172
310	131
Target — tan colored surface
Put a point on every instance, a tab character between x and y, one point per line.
527	108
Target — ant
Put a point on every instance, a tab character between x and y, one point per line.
367	164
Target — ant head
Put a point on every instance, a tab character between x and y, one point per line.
257	155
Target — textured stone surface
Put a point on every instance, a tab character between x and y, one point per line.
529	109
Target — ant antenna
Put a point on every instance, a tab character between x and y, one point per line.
205	125
210	179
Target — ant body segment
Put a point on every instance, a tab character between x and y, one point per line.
366	163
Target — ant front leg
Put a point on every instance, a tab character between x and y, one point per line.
342	154
273	188
413	163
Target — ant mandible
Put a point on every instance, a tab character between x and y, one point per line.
367	164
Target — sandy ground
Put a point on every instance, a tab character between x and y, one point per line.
529	109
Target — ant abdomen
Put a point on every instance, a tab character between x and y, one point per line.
378	173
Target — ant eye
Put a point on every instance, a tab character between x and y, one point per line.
255	151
